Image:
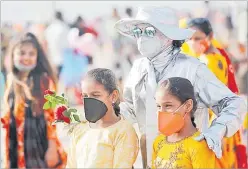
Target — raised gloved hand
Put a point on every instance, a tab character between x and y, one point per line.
214	136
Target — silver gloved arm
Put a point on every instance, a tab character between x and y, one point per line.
229	108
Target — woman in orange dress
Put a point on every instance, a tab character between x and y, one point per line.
204	47
31	140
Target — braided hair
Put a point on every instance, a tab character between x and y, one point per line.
183	90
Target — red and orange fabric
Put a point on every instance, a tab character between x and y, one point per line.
220	64
19	113
232	85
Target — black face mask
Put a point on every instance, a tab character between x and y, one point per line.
94	109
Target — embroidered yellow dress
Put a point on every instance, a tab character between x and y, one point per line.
186	153
112	147
218	65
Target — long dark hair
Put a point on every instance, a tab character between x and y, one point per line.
32	90
107	78
183	90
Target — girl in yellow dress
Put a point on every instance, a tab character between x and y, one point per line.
176	147
106	140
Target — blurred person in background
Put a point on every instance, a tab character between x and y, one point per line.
118	47
98	25
129	51
80	24
3	50
129	12
111	31
203	46
219	63
206	9
6	35
80	53
220	27
229	20
17	29
2	89
4	43
39	31
83	29
159	40
56	37
30	139
115	37
2	75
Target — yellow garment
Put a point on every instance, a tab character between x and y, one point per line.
187	153
216	43
246	122
112	147
217	64
229	159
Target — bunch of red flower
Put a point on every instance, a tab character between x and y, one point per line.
60	116
60	110
49	92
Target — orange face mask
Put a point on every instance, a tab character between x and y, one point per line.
204	45
199	47
170	123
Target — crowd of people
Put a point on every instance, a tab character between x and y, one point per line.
175	77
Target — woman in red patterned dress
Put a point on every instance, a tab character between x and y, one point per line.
31	140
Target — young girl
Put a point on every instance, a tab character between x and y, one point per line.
106	140
175	147
31	141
